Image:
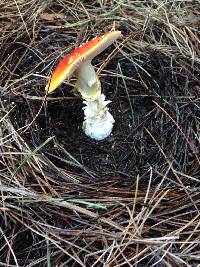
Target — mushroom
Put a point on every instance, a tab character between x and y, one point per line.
98	122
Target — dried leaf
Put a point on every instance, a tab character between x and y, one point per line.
51	16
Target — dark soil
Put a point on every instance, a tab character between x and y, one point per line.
130	150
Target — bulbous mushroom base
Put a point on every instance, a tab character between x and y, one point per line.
98	122
99	127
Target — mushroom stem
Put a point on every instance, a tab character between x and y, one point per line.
98	122
88	84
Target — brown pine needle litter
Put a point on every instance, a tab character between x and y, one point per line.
132	199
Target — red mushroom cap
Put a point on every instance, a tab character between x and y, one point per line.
85	52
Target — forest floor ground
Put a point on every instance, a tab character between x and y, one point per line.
132	199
